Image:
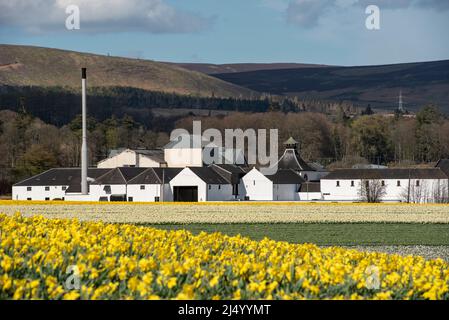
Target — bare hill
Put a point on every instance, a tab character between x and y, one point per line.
45	67
209	68
421	83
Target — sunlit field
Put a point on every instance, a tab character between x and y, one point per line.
120	261
234	212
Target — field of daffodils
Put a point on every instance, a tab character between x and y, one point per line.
231	212
43	258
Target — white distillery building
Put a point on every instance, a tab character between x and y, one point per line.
397	185
134	158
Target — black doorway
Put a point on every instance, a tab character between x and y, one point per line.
185	194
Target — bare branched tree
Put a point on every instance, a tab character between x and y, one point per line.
372	191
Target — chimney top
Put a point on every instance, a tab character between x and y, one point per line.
83	73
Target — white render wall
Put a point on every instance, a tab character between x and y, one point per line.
394	193
310	196
256	186
147	195
222	192
97	191
183	157
285	192
37	192
128	158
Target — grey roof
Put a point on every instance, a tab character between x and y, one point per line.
413	173
119	175
209	175
61	177
310	187
185	141
155	154
443	164
292	160
155	176
232	173
286	176
318	167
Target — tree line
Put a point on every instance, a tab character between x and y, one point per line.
29	145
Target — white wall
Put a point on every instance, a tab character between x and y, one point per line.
97	190
124	158
394	192
183	157
222	192
37	193
285	192
147	195
310	196
256	186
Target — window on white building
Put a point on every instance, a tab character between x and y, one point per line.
29	199
29	188
64	188
47	188
47	199
107	189
130	199
219	186
383	183
156	199
210	187
338	183
352	184
142	187
398	183
417	183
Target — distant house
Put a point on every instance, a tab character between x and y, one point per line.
190	151
257	187
286	184
153	184
414	185
198	184
134	158
52	184
113	185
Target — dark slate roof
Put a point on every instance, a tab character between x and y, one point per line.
292	160
185	141
310	187
443	164
413	173
232	173
155	176
209	175
119	175
286	177
61	177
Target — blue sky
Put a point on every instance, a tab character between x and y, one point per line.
230	31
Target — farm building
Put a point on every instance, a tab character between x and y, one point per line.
396	185
133	158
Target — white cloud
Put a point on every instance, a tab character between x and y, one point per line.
307	13
153	16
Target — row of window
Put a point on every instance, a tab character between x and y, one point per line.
63	188
398	183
